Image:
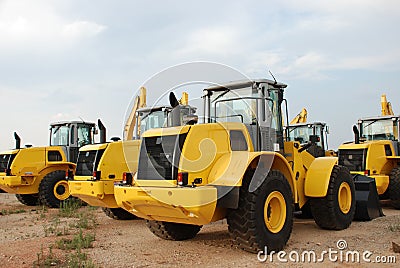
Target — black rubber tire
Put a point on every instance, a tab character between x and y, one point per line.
173	231
246	224
326	211
394	188
119	214
28	199
306	211
46	189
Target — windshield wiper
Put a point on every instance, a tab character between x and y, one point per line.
57	128
292	129
370	123
221	95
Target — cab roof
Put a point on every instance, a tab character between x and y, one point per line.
71	122
245	83
380	117
307	124
154	108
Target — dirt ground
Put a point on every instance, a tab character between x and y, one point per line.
28	233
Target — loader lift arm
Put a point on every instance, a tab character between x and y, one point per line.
386	106
300	118
140	102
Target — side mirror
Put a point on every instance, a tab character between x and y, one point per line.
327	129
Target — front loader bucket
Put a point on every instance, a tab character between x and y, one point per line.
368	206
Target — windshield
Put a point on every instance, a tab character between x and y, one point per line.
243	105
376	129
302	133
235	106
152	120
84	135
59	135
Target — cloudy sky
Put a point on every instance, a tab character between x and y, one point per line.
67	59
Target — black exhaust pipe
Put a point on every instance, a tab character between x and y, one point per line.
176	110
173	101
102	129
356	135
17	141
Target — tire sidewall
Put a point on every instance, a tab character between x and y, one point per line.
394	187
274	182
326	211
344	176
46	193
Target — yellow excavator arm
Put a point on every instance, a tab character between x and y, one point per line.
140	102
300	118
386	106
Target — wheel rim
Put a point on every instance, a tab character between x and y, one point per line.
275	212
344	197
61	191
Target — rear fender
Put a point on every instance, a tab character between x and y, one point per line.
62	165
318	176
266	161
230	169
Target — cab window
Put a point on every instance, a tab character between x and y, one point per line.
84	135
59	136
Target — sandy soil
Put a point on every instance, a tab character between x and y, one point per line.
26	232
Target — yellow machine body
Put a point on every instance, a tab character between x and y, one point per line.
380	160
117	158
29	167
211	164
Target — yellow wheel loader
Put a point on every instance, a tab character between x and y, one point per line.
375	154
237	166
100	166
314	136
374	158
316	133
38	174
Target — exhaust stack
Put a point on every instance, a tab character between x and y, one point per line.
356	135
17	141
102	129
176	110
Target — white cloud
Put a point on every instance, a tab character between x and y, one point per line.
354	7
308	66
211	40
79	29
54	46
61	117
27	24
383	61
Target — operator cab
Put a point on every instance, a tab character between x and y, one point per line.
160	116
255	103
379	128
71	136
304	133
